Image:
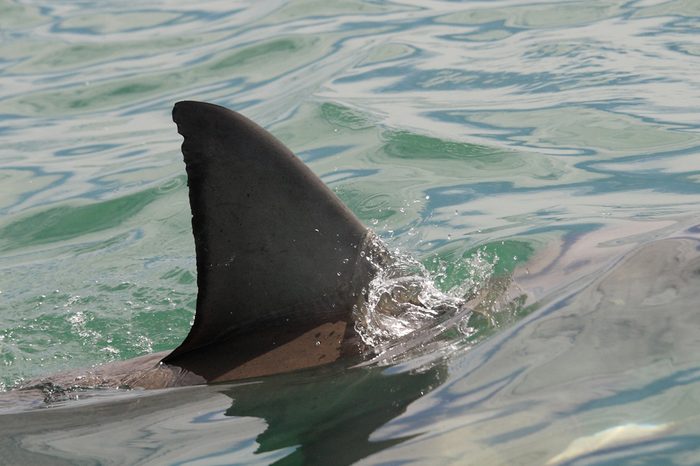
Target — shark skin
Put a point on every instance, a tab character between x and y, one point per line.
281	262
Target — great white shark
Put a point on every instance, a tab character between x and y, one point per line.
281	262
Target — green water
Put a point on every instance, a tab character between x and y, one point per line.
556	137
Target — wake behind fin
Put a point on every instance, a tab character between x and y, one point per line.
278	254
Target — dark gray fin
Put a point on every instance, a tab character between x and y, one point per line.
278	254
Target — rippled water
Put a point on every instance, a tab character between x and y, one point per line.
562	138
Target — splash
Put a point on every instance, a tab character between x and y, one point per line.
405	296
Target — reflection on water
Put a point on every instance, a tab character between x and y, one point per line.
331	418
561	138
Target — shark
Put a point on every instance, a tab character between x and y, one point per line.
281	264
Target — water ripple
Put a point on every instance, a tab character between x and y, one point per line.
553	132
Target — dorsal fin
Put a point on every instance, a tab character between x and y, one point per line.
275	246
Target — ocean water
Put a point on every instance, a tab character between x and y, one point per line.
542	156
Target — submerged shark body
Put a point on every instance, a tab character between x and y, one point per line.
281	263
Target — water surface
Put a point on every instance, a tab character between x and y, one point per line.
558	140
